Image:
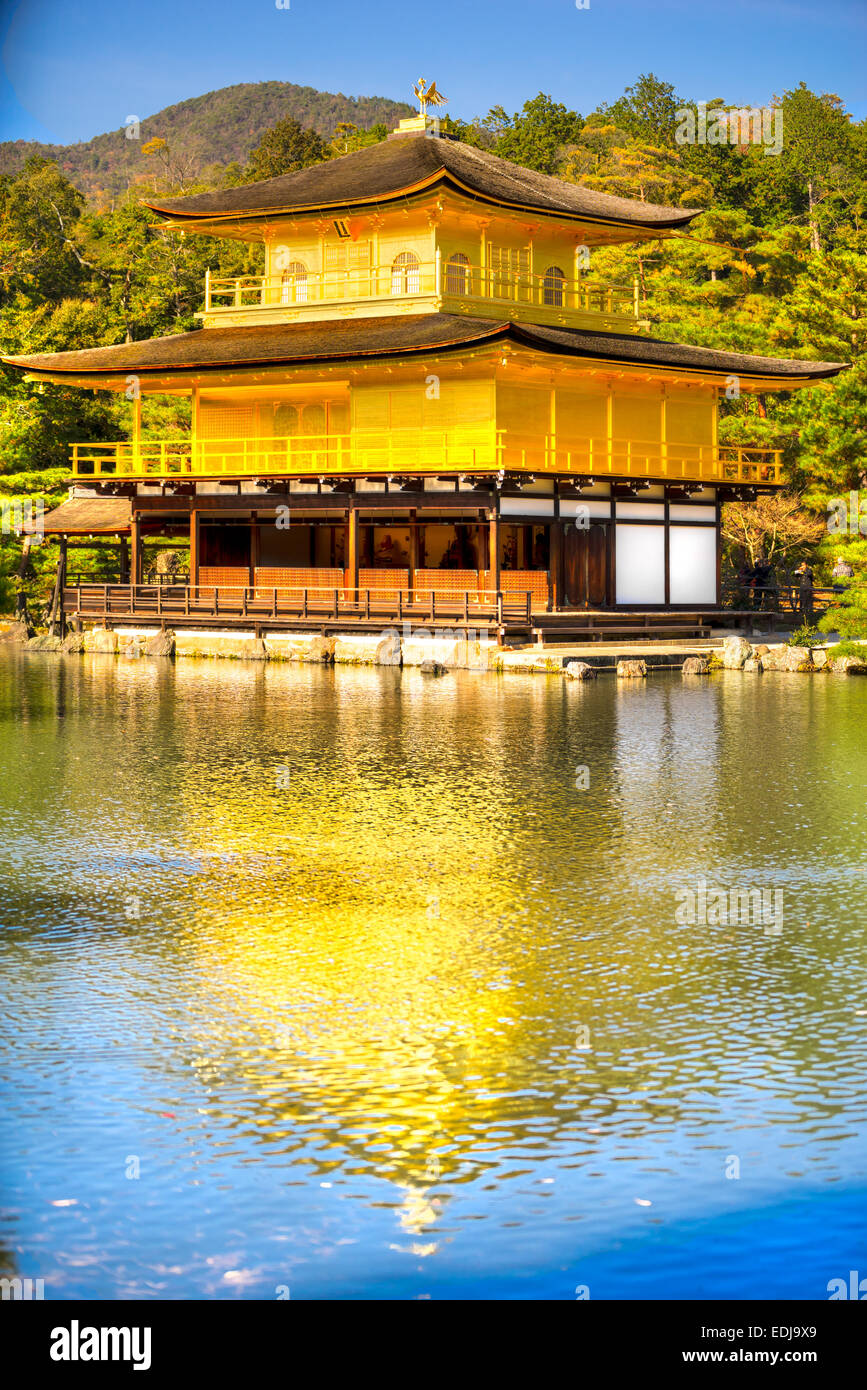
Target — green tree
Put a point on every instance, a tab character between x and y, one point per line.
646	111
38	209
825	317
818	151
537	135
283	149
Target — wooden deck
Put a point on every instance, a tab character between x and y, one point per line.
325	610
508	617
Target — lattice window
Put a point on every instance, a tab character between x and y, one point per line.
457	274
313	420
218	421
286	421
405	274
555	280
293	285
510	271
353	255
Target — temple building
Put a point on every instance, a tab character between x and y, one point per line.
426	406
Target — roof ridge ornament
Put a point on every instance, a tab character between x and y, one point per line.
428	96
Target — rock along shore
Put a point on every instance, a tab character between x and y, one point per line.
436	652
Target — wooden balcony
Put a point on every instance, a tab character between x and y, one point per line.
475	449
439	285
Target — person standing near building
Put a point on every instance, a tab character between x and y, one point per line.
805	590
842	570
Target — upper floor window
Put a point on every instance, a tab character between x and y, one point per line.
405	276
287	419
293	285
509	273
292	420
555	280
457	274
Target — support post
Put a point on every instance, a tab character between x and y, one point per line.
124	560
555	566
352	551
413	546
136	431
136	550
494	549
194	547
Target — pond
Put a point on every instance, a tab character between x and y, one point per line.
359	983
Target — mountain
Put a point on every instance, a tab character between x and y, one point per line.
215	129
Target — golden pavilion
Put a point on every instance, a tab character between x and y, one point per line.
426	408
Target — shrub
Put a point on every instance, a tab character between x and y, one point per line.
856	649
806	636
848	615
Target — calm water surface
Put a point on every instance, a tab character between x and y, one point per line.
298	967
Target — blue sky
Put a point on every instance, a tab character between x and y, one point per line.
73	70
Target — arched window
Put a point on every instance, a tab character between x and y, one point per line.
553	287
457	274
293	286
405	278
286	420
313	420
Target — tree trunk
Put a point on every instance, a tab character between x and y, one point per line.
56	618
21	598
814	226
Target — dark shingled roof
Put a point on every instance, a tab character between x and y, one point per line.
332	340
396	167
656	352
272	342
85	516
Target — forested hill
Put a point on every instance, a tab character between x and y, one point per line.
216	129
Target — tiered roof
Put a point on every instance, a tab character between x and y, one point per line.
335	340
397	168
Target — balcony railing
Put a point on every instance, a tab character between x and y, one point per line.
479	448
441	279
293	604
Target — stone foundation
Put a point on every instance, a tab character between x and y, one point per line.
422	649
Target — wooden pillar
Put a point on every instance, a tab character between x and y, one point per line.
195	537
555	565
136	550
494	549
414	562
254	545
124	560
352	550
667	552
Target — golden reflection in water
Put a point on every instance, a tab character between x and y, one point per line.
358	928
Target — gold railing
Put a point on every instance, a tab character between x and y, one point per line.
480	448
441	278
636	458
